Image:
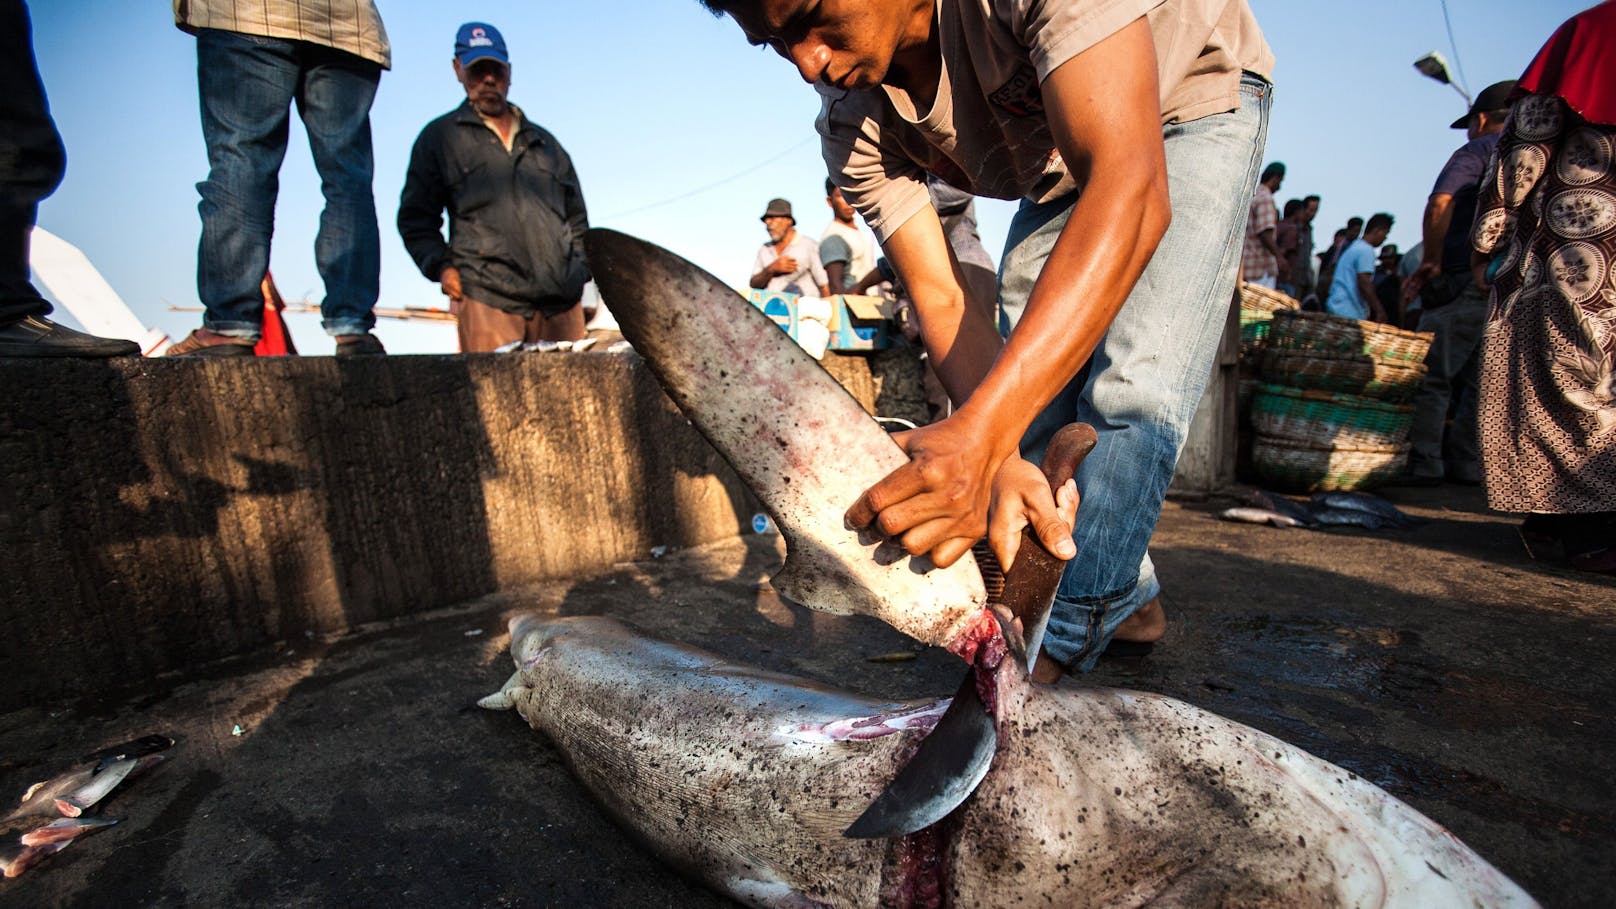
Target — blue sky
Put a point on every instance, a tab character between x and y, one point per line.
656	100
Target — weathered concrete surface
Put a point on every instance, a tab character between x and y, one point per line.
160	513
1437	661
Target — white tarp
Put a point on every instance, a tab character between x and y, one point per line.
79	288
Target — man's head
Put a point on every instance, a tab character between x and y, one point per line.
1354	228
848	43
483	67
1389	255
839	208
1310	207
1273	175
777	219
1488	111
1374	232
1291	209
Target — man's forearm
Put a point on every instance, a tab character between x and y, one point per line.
1434	228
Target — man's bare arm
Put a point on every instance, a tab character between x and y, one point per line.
1104	111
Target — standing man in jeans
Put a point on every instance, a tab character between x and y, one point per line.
255	58
1132	131
1453	309
31	165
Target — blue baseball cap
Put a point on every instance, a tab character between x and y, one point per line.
479	40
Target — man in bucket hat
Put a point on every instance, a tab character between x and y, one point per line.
789	261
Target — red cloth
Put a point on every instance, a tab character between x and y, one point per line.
275	340
1579	65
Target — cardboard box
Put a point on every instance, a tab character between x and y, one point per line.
857	322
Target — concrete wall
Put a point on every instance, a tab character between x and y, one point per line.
156	514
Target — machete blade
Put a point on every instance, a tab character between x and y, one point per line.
954	758
946	769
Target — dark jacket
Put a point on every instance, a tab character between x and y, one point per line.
516	219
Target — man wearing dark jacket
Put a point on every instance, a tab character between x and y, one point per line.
514	265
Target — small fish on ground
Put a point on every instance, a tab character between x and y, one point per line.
1259	516
1363	501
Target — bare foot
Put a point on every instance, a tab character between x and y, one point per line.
1046	670
1147	624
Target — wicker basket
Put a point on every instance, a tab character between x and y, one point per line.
1323	335
1391	382
1256	298
1291	465
1328	420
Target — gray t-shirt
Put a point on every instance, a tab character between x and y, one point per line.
986	132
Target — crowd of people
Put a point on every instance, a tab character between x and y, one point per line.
1512	281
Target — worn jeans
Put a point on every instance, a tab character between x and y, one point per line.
1452	381
31	161
247	85
1142	385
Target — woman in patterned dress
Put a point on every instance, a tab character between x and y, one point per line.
1545	233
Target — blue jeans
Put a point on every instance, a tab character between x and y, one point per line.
247	84
1141	386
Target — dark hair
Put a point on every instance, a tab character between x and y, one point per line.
717	7
1341	233
830	187
1292	207
1307	199
1354	220
1378	219
1275	169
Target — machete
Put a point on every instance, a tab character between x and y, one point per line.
954	758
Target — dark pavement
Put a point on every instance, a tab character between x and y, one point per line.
1438	662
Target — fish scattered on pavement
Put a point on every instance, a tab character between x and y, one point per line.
68	796
66	828
746	779
1363	501
1333	509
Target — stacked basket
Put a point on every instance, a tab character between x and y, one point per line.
1257	307
1333	410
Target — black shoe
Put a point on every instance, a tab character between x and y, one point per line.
364	345
37	336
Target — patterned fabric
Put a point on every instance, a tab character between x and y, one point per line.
347	25
1255	258
1547	214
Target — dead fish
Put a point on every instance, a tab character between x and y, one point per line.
66	828
1349	517
795	436
746	779
1259	516
1389	514
15	858
1273	501
70	793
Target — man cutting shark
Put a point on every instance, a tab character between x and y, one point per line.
1131	130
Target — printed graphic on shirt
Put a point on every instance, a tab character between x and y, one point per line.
1020	95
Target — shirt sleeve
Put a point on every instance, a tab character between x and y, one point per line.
815	267
867	164
1462	171
1055	31
835	249
761	259
1363	261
